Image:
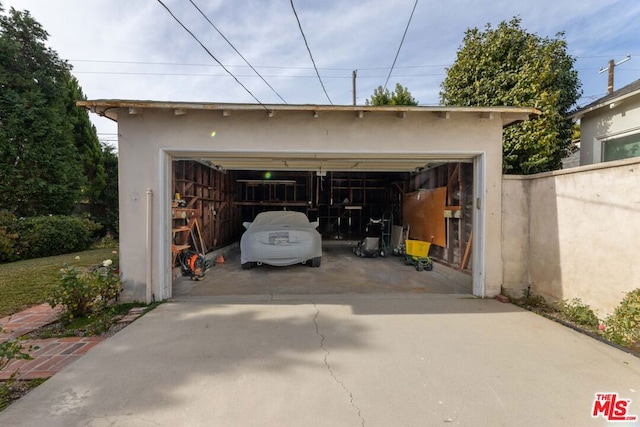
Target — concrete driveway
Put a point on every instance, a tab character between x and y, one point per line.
336	360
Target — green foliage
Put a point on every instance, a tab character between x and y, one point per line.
87	143
507	66
400	96
12	390
105	242
8	237
532	301
623	326
53	235
50	156
105	206
27	283
40	169
12	350
84	292
578	313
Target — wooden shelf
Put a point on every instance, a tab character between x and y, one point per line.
271	203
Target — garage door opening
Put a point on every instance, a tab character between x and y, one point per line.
433	201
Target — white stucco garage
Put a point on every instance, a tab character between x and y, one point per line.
312	138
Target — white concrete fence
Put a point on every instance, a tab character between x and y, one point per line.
573	233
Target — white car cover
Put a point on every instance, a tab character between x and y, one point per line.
280	238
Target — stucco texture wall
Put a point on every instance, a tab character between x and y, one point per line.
149	137
579	234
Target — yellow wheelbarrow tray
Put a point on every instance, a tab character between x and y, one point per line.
417	254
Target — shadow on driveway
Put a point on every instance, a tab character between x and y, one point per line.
347	360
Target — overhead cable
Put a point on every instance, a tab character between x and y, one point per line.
143	73
258	66
401	42
211	55
234	48
309	50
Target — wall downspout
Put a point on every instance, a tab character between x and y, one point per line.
148	246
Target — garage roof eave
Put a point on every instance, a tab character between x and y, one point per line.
109	108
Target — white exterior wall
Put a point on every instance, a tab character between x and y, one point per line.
148	138
606	122
574	234
515	234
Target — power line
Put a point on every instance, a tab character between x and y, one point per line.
234	48
211	55
401	42
309	50
257	66
140	73
605	56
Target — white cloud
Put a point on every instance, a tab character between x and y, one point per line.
344	35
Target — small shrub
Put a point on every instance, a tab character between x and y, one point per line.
623	326
576	312
107	241
533	302
13	390
86	291
8	237
44	236
10	350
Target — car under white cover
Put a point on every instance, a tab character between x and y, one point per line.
280	238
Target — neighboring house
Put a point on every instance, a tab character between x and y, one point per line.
573	159
610	126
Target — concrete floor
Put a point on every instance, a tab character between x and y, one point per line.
341	272
335	360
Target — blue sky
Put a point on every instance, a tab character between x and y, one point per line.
135	50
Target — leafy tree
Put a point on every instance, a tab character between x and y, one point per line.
40	170
87	143
106	204
400	96
507	66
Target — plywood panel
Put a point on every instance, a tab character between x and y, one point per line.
424	212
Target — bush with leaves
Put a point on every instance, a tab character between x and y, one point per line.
44	236
578	313
8	236
623	326
83	292
10	350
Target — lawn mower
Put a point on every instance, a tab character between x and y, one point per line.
377	240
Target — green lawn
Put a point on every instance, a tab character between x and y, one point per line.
25	283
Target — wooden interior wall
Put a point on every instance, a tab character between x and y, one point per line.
218	198
212	194
457	179
424	213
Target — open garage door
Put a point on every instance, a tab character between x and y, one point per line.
344	192
302	138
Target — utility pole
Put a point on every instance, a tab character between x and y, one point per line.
610	68
353	78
